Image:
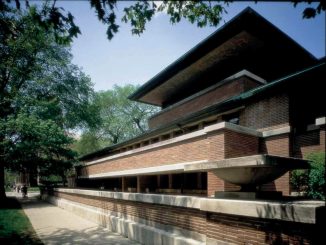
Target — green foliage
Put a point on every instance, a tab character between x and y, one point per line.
299	180
316	176
199	12
88	142
42	97
138	14
10	177
311	181
120	119
33	141
49	18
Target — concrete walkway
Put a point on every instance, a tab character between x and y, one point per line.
54	225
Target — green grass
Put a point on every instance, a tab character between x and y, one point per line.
15	227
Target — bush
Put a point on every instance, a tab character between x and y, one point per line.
316	176
312	181
299	180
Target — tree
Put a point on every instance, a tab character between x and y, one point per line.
120	119
42	96
89	141
138	14
34	143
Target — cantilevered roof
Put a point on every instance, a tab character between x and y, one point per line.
248	41
308	77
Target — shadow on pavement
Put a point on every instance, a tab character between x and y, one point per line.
86	236
52	233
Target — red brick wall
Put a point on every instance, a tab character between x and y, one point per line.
215	146
226	228
269	113
185	218
308	142
277	145
281	184
239	145
214	183
243	230
186	151
214	96
235	145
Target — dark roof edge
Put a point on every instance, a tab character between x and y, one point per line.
175	66
217	108
153	82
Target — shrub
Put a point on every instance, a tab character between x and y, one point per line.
299	180
312	181
316	176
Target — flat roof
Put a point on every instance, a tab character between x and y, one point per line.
248	41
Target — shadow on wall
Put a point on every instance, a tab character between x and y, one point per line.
286	232
81	171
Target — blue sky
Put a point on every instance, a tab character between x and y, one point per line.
135	59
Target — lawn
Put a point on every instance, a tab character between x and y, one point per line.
15	227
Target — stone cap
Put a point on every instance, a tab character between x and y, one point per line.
294	211
262	160
308	211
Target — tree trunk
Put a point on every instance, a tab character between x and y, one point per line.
137	121
2	181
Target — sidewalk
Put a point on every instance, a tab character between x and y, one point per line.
54	225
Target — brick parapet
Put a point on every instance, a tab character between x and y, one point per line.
216	225
206	144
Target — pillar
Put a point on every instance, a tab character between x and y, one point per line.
199	183
170	181
138	184
123	184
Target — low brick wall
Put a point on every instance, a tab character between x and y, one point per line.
239	230
207	223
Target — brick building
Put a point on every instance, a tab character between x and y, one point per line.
246	90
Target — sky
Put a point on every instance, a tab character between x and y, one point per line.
136	59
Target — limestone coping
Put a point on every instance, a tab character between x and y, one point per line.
170	200
261	160
321	121
162	169
277	131
199	133
294	211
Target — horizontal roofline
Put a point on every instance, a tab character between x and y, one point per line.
242	73
223	106
198	51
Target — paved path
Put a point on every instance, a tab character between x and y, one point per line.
54	225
